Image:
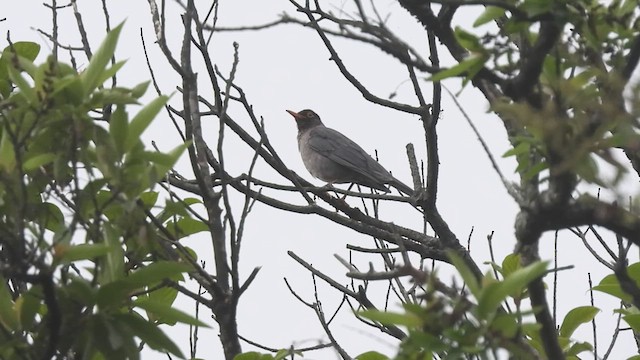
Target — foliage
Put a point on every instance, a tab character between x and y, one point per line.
575	116
454	327
624	284
253	355
477	324
91	257
83	268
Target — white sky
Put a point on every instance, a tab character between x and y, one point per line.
289	68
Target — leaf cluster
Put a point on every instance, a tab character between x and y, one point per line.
85	262
479	323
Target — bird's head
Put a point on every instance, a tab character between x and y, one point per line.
305	119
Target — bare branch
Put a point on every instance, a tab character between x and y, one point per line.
352	79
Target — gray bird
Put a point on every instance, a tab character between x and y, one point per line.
334	158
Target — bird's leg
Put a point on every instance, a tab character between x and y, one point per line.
351	185
349	189
329	187
326	187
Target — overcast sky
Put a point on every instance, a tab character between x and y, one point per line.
288	68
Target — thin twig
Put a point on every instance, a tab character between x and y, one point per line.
509	186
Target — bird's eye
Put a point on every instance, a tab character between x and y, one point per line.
308	114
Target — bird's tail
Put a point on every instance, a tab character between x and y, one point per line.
402	187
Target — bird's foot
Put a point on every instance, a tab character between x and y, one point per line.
329	187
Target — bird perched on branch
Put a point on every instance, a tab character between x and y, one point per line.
334	158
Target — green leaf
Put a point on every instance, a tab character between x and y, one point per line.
68	254
141	121
96	68
626	7
186	226
490	13
23	85
81	291
510	264
28	67
577	317
587	169
168	160
26	49
282	354
409	320
465	272
115	96
156	272
28	305
492	296
159	158
192	253
634	272
5	82
468	40
118	129
37	161
521	148
54	218
7	154
149	333
577	348
70	89
505	324
534	170
633	320
165	295
612	289
112	294
471	62
174	208
537	7
8	316
191	201
149	198
113	337
139	90
165	313
253	355
610	285
110	72
113	268
372	355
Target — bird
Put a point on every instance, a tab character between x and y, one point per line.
334	158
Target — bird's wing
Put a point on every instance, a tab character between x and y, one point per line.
344	151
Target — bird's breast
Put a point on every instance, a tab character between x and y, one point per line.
319	165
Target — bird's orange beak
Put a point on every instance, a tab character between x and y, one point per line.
295	115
